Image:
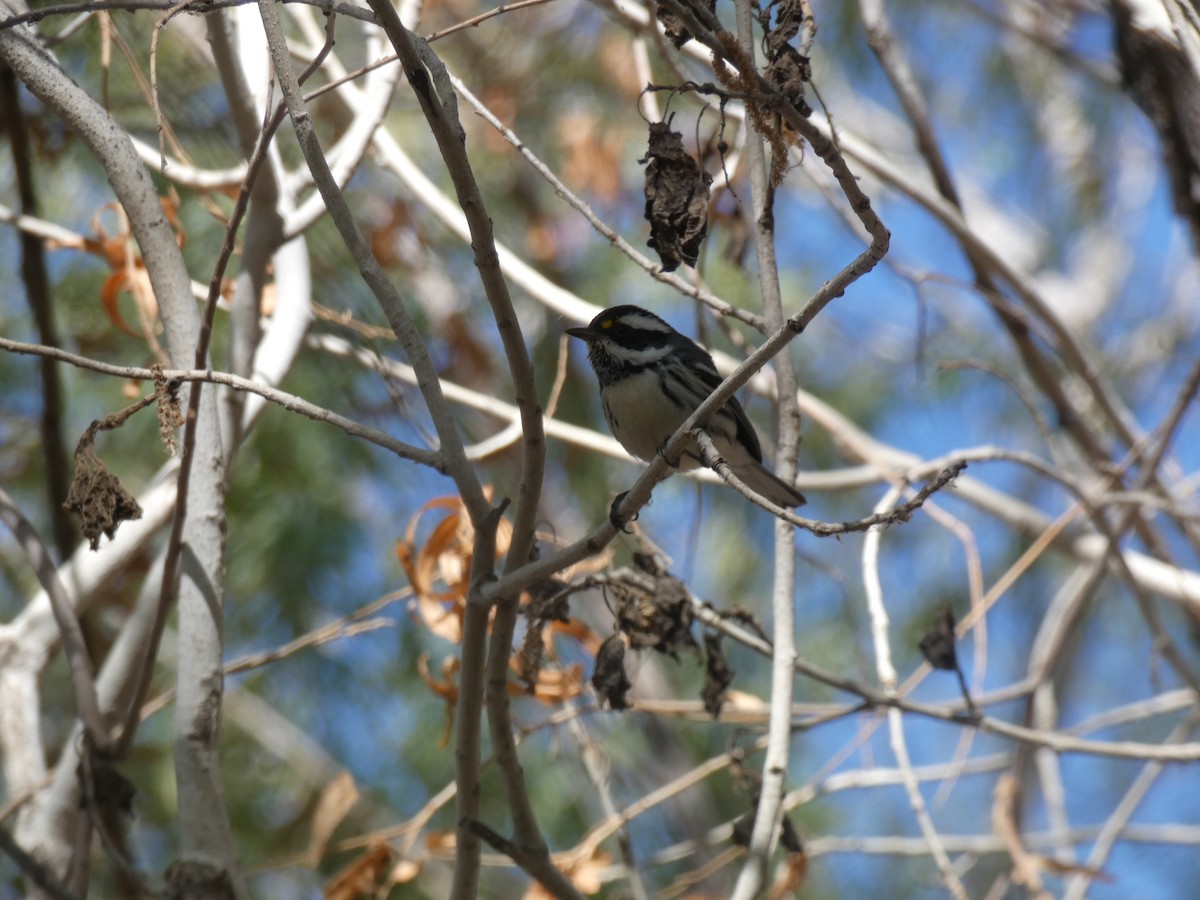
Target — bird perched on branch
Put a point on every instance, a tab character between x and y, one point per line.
652	378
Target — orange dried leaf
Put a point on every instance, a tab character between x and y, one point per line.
404	553
448	553
587	875
446	621
404	871
360	877
110	292
447	689
553	685
791	878
115	249
441	841
337	799
137	282
588	639
170	205
439	568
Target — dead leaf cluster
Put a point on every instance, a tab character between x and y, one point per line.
787	68
438	566
676	198
653	610
96	495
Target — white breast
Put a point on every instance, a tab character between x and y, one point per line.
640	415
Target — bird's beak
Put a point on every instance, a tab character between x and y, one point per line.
585	333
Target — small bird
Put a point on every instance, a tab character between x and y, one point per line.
652	378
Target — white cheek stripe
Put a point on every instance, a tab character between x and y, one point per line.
636	357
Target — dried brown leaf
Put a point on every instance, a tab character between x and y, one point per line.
444	558
676	198
360	878
937	644
717	675
110	293
404	871
791	879
586	875
659	618
446	688
97	496
554	685
441	841
609	678
337	799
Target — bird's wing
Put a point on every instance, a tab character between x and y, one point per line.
707	371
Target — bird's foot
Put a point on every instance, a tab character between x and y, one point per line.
662	451
620	522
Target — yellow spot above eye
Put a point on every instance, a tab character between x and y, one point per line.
607	324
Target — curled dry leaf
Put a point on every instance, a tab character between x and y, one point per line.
362	876
544	604
441	842
676	198
717	675
609	678
128	273
654	611
528	660
135	281
937	644
404	871
587	875
97	496
439	568
791	876
554	685
787	68
170	416
548	615
336	800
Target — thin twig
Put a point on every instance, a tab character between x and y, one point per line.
79	661
38	873
768	812
887	678
283	399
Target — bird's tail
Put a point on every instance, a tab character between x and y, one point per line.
763	481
